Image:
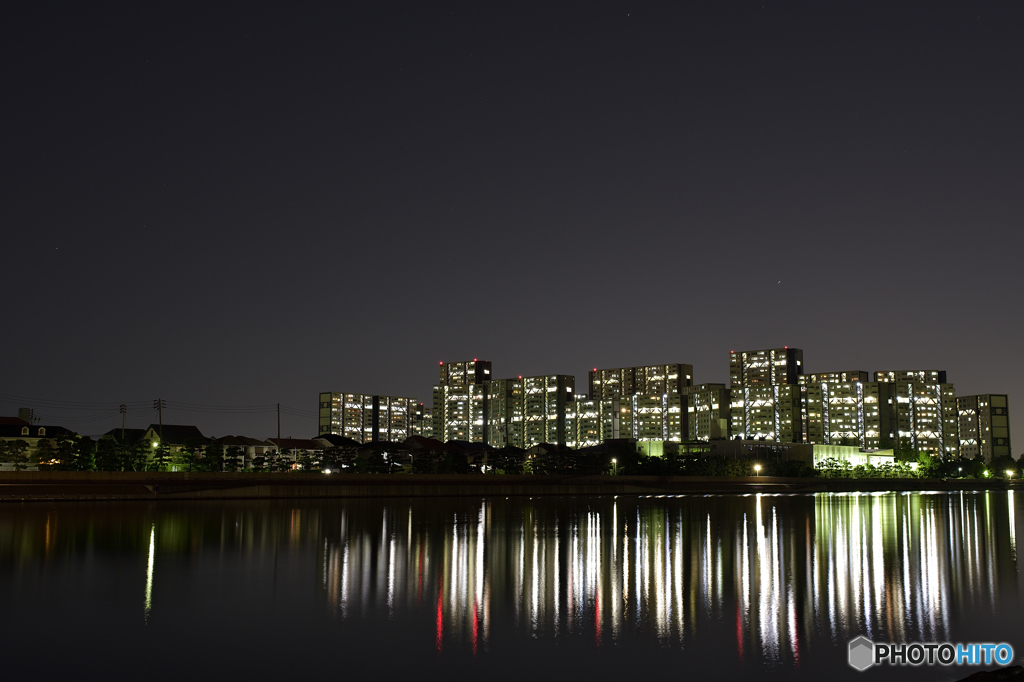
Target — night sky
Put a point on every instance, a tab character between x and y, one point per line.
240	205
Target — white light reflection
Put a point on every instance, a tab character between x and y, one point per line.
149	573
1013	527
780	570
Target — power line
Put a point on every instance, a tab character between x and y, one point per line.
25	401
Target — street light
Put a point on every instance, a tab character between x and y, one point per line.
615	467
1009	473
757	469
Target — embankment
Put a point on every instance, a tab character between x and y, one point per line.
85	486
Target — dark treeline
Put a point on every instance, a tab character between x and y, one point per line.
75	453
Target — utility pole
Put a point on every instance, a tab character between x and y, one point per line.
124	412
279	421
159	404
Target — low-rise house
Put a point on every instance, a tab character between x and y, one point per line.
124	436
248	448
333	440
13	429
175	436
293	448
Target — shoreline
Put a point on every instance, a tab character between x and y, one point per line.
152	486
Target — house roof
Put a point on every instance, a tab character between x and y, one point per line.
296	444
14	430
130	435
466	445
338	441
177	434
13	421
384	445
239	441
424	443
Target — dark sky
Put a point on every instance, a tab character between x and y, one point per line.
240	205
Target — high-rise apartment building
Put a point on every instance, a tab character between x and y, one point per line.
424	422
844	408
505	406
584	422
924	416
645	403
984	422
647	380
527	411
764	394
366	418
460	401
707	410
544	408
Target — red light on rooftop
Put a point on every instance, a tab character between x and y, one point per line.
474	359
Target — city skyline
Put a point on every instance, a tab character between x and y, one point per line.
678	378
246	209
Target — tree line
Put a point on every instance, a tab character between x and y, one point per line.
68	452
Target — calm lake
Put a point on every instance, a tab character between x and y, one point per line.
734	586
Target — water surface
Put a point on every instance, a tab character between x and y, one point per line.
754	586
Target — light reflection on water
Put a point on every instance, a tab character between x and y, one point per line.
774	580
883	565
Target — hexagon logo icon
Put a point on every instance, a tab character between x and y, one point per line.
862	653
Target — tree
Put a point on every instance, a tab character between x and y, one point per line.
83	454
213	457
187	459
107	455
135	456
46	456
233	458
17	451
1000	465
927	466
307	462
509	460
427	462
331	459
64	452
835	468
377	463
161	457
280	461
347	459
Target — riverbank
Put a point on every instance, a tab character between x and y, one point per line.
101	486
